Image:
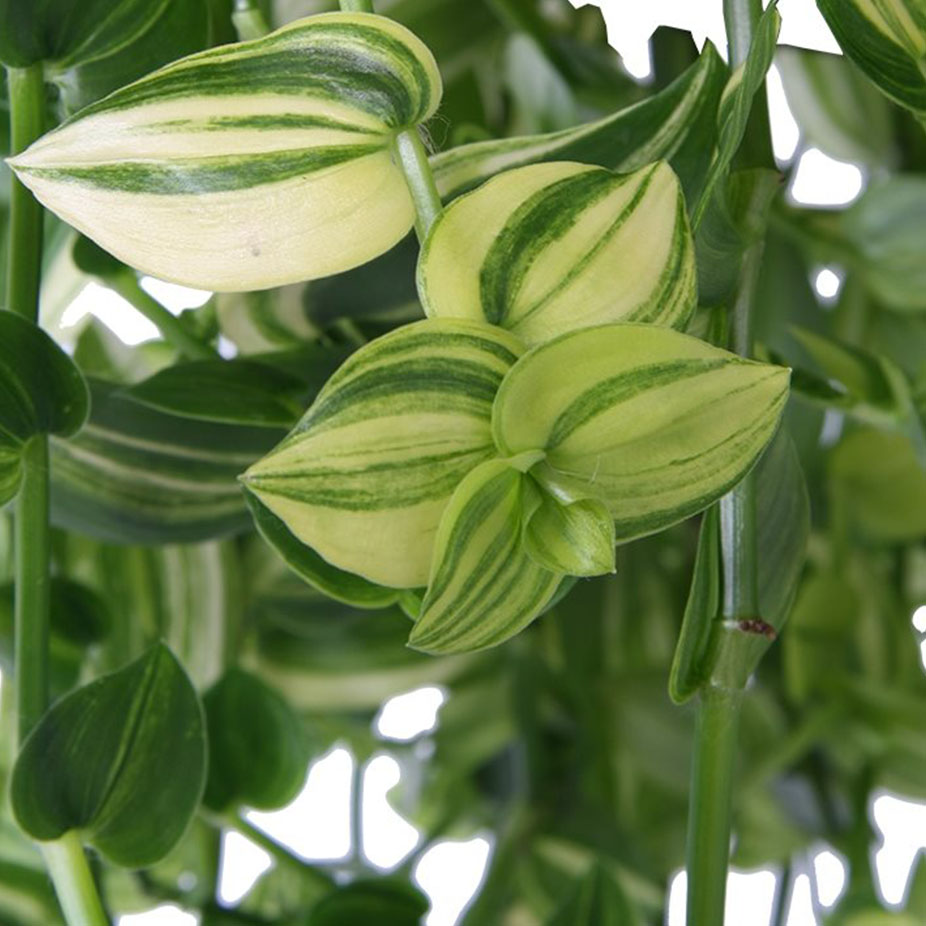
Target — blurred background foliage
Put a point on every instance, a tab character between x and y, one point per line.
563	743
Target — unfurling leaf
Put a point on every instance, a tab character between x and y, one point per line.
258	751
364	477
552	247
887	40
121	760
41	392
251	165
657	426
484	586
576	539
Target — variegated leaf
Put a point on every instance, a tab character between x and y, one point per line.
364	477
573	538
544	249
665	126
887	40
250	165
484	586
653	423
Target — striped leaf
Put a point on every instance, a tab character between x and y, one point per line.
653	423
250	165
669	125
544	249
484	586
138	475
365	475
576	539
887	40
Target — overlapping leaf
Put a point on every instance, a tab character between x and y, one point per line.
122	760
544	249
658	425
251	165
364	478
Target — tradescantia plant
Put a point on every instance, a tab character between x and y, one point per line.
495	393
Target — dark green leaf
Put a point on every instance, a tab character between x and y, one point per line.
258	751
122	760
703	605
385	902
41	392
93	47
137	475
230	391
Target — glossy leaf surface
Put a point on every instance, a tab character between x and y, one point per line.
121	760
545	249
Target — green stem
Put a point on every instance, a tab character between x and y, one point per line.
248	21
710	808
356	6
356	812
782	896
27	117
172	328
31	607
280	852
73	881
413	160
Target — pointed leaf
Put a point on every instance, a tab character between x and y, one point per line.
688	671
665	126
597	900
122	760
41	392
736	102
575	539
251	165
484	587
258	750
887	40
653	423
548	248
364	477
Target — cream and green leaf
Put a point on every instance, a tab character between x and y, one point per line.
484	585
250	165
364	477
887	40
652	423
545	249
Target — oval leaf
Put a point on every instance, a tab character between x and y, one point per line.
484	587
251	165
258	751
364	477
386	902
122	760
41	392
548	248
653	423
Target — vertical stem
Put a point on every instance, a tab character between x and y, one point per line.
172	329
413	160
710	807
356	6
74	882
740	17
356	812
782	897
27	115
248	20
32	586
